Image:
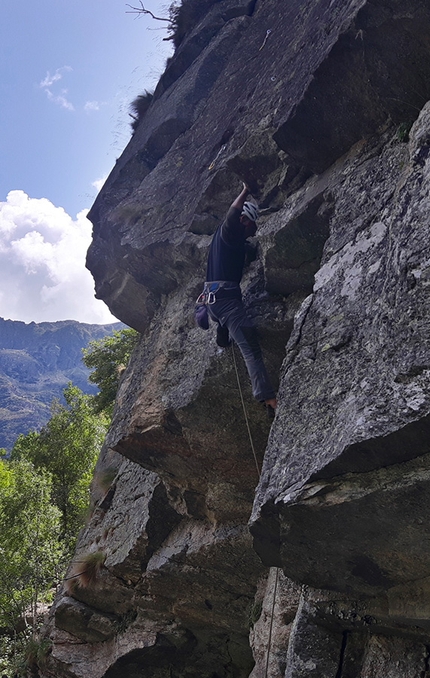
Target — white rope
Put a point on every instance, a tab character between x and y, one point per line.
244	411
269	647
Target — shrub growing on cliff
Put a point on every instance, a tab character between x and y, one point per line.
139	107
108	358
83	572
185	16
182	16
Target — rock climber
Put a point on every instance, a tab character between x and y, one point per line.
223	295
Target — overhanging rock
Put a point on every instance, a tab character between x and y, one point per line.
203	121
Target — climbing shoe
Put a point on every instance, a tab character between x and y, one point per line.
222	337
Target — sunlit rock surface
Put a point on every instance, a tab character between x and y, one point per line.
310	102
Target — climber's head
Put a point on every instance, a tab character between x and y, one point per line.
248	218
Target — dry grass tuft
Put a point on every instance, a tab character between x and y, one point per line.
84	572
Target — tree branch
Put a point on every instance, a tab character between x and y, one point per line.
142	10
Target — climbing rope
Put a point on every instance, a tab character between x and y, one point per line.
244	410
269	645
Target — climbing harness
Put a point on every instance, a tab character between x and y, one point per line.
207	297
208	294
225	289
268	32
219	289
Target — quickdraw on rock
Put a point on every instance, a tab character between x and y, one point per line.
212	165
268	32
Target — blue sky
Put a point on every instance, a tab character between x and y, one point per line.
69	70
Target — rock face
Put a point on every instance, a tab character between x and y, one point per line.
321	108
37	361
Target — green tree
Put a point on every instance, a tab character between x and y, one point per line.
67	447
30	552
31	559
108	357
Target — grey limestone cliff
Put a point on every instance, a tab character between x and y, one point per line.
320	568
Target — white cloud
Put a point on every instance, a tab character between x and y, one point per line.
49	79
61	97
92	106
42	259
98	183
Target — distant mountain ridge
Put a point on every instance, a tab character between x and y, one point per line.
37	361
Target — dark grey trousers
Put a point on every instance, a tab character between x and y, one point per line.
231	313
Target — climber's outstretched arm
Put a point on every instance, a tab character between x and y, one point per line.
239	202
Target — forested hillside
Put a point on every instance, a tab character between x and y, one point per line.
37	360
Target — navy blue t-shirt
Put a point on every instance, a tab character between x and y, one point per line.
226	257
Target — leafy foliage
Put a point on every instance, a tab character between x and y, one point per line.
403	131
30	550
108	357
23	655
67	447
44	497
32	557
